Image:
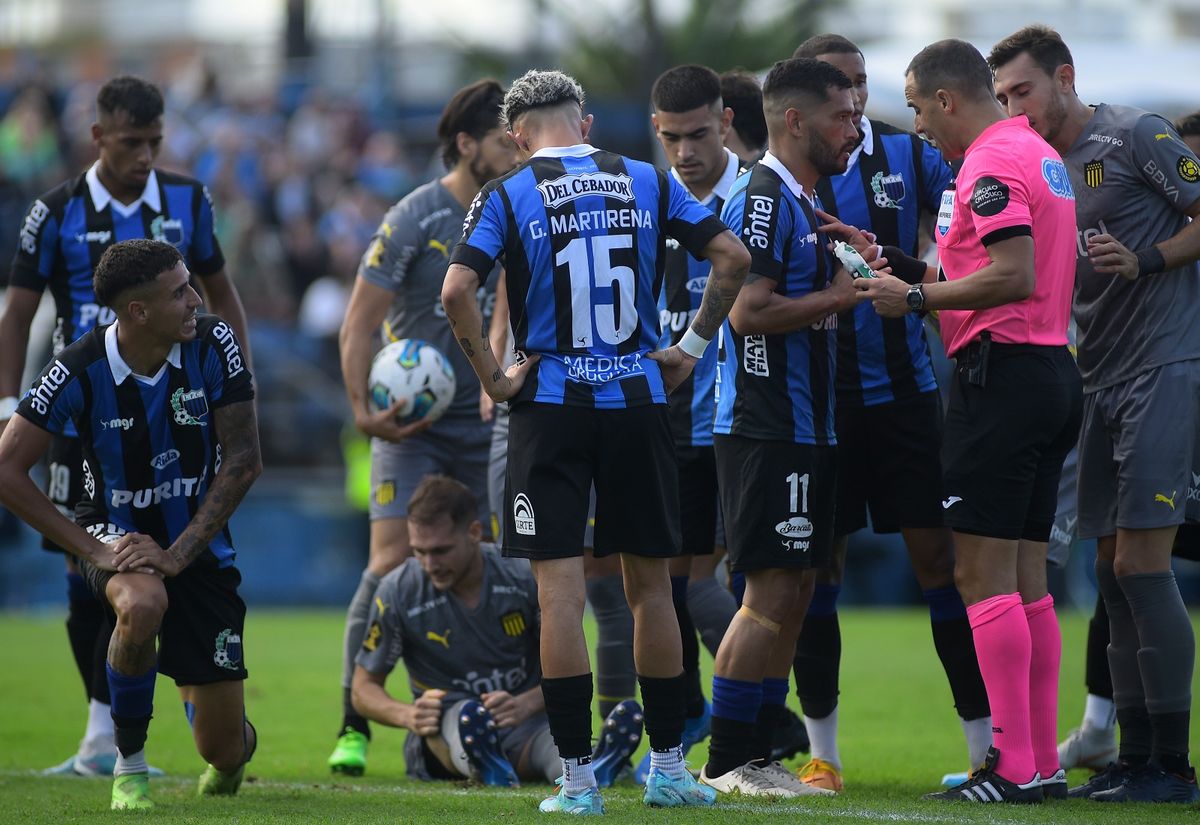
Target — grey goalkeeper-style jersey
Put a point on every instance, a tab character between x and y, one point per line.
409	256
444	645
1134	179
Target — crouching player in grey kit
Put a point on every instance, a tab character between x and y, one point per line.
163	405
465	622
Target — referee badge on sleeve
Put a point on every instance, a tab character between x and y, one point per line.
1093	173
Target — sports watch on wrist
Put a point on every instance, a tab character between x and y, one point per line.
915	298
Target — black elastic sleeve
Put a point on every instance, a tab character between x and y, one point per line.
905	267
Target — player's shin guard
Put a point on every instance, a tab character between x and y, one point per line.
735	710
694	694
132	706
1003	646
819	654
1096	674
770	713
569	710
1128	694
616	677
955	646
663	703
1045	645
356	628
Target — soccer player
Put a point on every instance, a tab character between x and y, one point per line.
747	139
121	196
885	385
162	402
397	295
1137	279
1005	238
465	623
774	430
582	232
1189	129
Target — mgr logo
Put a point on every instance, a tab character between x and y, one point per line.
523	519
563	190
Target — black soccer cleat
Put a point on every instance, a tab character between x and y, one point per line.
1111	777
1152	784
619	738
985	785
790	737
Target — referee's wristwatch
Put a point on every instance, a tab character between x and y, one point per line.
915	299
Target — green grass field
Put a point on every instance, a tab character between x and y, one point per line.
899	735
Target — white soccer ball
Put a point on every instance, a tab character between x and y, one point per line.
415	374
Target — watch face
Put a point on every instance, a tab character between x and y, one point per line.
916	298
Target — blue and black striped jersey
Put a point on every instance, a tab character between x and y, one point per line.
67	230
892	178
692	403
149	448
582	234
778	387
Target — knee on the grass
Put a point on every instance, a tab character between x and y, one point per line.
225	750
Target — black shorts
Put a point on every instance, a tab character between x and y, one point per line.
64	479
889	461
777	498
556	454
697	499
1005	442
200	641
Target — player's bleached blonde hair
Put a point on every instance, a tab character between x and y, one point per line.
538	89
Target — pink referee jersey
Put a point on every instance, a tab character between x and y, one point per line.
1011	183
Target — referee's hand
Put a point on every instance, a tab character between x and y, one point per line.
674	364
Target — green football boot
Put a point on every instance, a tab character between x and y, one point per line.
215	783
131	792
350	755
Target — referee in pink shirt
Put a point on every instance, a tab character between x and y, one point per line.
1006	242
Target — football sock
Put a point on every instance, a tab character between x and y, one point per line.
1166	659
616	676
1099	713
1045	646
663	703
577	774
669	762
132	706
978	733
100	661
1003	646
819	654
735	709
955	648
569	711
694	696
134	763
85	615
711	607
1128	695
1097	676
356	628
770	714
822	734
98	738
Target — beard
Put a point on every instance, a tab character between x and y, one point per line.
824	157
482	171
1055	117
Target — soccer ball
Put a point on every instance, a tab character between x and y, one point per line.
415	374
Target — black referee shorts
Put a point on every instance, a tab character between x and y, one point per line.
1005	441
557	453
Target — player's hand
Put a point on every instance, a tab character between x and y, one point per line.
887	293
103	556
1110	256
383	424
506	385
487	407
505	708
861	241
139	553
674	364
427	713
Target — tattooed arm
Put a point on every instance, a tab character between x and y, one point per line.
237	433
462	311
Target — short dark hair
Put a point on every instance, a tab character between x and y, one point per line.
685	88
801	77
951	64
130	264
1043	44
740	91
1188	125
820	44
440	496
140	99
474	109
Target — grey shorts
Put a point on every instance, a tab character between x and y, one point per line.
1138	450
513	741
1065	530
456	449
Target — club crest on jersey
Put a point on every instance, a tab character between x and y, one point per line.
523	519
1093	173
513	623
888	189
567	188
167	229
1188	169
229	650
189	406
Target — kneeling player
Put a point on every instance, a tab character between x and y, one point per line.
465	623
163	404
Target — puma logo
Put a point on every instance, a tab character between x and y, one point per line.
440	247
1170	502
950	502
442	639
379	604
